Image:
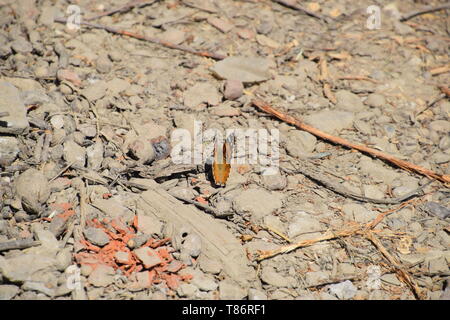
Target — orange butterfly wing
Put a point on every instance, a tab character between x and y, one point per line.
221	165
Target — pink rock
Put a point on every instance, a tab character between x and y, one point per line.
220	24
233	89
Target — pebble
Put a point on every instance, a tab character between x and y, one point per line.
114	209
255	294
96	236
303	223
187	290
95	91
9	149
266	41
68	75
316	277
274	181
348	101
11	102
437	210
8	291
142	150
391	278
357	212
201	93
39	287
440	126
233	89
438	265
33	190
343	290
221	24
103	64
25	266
192	245
244	69
204	282
258	202
148	257
375	100
94	154
228	290
149	225
331	121
102	276
63	259
209	266
274	278
20	45
174	36
300	143
74	154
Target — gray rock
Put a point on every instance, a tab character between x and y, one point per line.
373	191
316	277
303	223
39	287
102	276
270	276
440	126
33	190
11	102
300	143
357	212
74	153
438	265
258	202
330	121
233	89
244	69
103	64
25	266
9	149
96	236
192	245
63	259
148	257
348	101
149	225
377	171
391	278
202	93
94	154
375	100
255	294
20	45
229	290
49	243
204	282
274	181
343	290
209	266
187	290
142	150
437	210
114	209
95	91
8	291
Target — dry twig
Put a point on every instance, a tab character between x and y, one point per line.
130	5
425	10
163	43
291	5
381	155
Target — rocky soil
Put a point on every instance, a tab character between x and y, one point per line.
93	207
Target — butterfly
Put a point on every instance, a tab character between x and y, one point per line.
221	161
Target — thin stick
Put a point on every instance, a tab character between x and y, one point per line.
293	6
404	276
424	10
62	171
358	78
18	244
163	43
302	126
130	5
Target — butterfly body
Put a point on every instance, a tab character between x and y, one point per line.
221	163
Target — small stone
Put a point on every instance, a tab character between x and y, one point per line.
9	149
257	202
437	210
94	154
63	259
266	41
221	24
102	276
148	257
343	290
202	93
316	277
192	245
303	223
228	290
246	34
204	282
274	181
233	89
225	111
440	126
12	103
244	69
357	212
33	190
254	294
8	291
114	209
375	100
68	75
95	91
96	236
187	290
74	154
143	279
209	266
270	276
174	36
300	143
330	121
142	150
25	266
122	257
438	265
348	101
103	64
20	45
39	287
391	278
175	266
